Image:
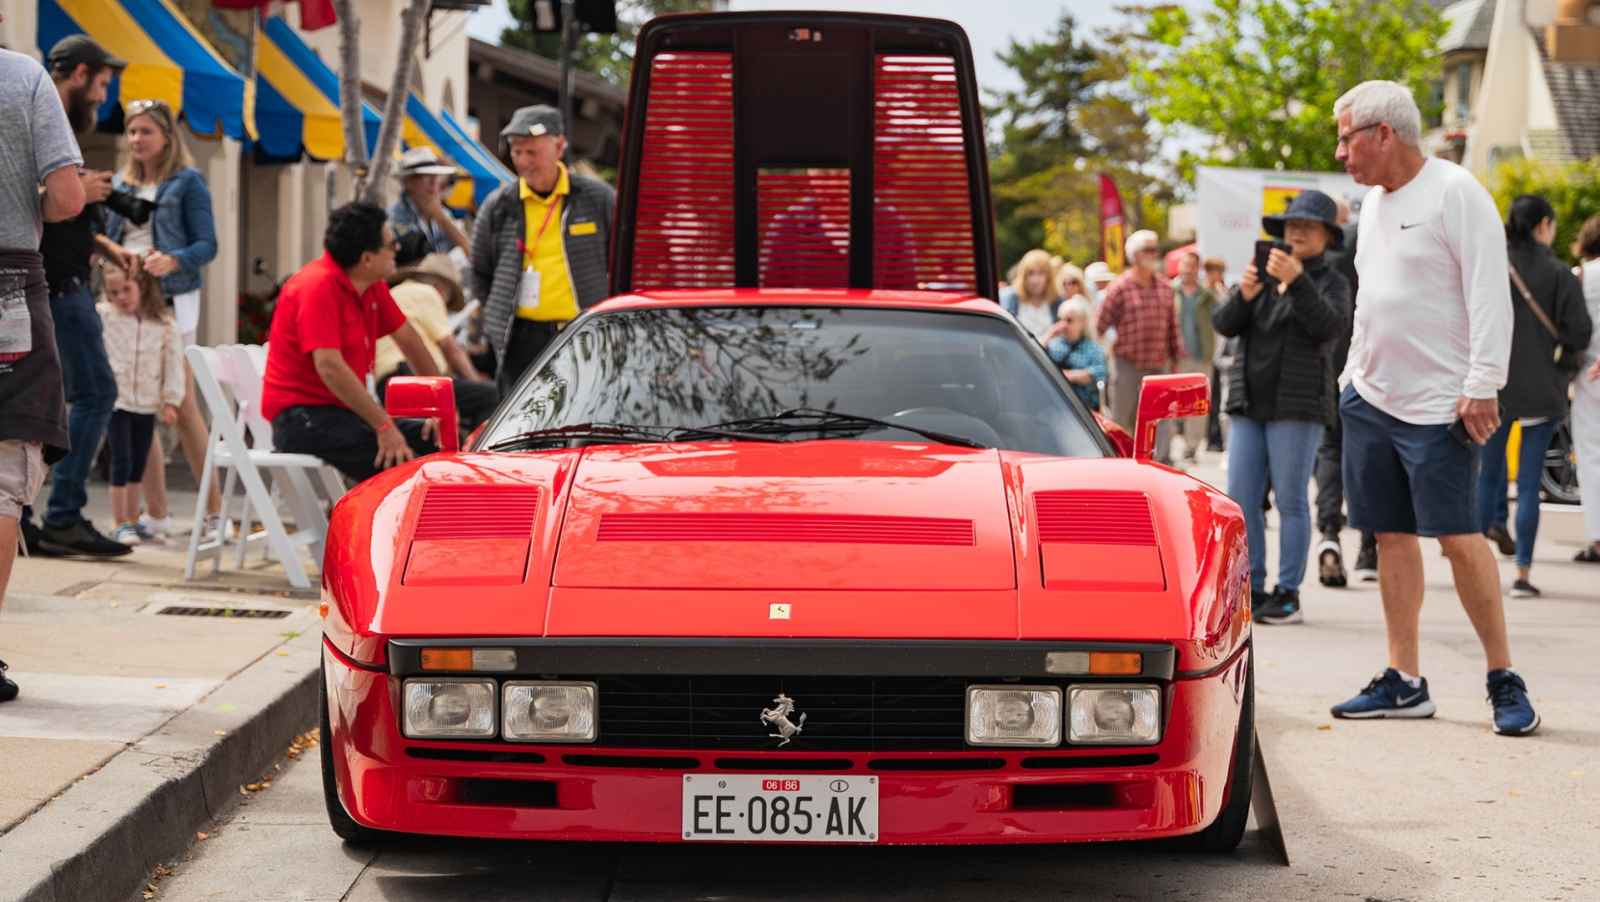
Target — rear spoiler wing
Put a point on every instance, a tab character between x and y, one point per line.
826	150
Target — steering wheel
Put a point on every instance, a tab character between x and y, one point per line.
929	411
954	421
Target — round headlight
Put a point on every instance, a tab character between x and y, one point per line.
1113	712
450	706
1013	712
550	711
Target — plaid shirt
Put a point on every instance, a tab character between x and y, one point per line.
1146	322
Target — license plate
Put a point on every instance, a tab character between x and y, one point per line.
764	808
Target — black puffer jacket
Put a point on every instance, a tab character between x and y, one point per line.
1535	386
1286	341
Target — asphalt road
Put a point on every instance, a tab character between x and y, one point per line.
1405	810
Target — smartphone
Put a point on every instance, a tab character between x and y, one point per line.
1458	429
1264	251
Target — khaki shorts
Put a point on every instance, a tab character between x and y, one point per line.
21	475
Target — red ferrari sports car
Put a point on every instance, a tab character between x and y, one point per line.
798	538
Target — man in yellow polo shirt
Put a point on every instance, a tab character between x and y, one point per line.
540	249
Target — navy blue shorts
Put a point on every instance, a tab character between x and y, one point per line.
1400	477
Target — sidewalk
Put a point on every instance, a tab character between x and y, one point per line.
145	701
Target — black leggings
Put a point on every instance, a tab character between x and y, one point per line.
129	437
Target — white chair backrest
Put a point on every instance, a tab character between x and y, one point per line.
247	376
461	318
213	374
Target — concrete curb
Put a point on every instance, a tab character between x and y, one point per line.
102	837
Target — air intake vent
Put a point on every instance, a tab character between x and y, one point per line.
789	528
1095	517
477	512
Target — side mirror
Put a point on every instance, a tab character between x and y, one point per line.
426	397
1167	398
1118	436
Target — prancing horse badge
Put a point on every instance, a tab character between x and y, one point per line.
777	717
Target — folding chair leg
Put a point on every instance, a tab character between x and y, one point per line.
277	536
190	559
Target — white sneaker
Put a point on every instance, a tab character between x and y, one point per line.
216	526
127	534
155	529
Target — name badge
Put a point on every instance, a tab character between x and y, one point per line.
528	293
582	228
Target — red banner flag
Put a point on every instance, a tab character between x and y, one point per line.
1112	231
314	14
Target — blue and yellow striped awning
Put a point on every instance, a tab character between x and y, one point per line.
167	60
492	166
297	98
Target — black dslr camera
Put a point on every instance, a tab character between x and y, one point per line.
131	207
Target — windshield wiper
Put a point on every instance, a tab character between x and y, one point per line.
611	432
808	419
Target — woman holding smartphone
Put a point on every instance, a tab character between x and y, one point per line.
174	245
1281	388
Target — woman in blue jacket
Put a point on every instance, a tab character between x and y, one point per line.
174	245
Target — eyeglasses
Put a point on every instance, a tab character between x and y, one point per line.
1344	139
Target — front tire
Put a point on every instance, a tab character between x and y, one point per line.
340	820
1227	830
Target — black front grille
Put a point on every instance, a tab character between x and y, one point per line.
842	712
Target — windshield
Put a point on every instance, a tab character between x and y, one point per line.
967	376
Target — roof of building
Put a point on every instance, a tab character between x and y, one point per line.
1575	90
544	72
1470	22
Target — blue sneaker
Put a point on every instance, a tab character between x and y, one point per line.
1388	695
1513	713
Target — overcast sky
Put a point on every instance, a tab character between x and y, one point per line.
990	24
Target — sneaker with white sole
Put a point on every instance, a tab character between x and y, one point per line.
127	534
1388	695
1367	564
217	526
1330	564
1513	713
159	528
1524	589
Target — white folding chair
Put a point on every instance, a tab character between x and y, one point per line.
308	499
461	319
227	450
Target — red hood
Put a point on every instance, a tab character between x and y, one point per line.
824	515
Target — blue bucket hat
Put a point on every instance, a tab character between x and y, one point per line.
1309	206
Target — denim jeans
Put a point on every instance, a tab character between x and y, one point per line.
1285	451
1492	482
92	392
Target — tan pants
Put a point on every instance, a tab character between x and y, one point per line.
1126	377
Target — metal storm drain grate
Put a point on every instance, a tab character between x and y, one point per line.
178	610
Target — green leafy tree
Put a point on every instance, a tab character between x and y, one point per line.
1072	118
1573	189
1258	78
609	56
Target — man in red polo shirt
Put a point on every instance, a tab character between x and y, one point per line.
325	328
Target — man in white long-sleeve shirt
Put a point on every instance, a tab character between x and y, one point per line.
1432	339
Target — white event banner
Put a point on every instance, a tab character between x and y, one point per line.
1232	202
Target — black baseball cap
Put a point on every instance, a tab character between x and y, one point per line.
79	49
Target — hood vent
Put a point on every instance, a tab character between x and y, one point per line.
787	528
477	512
1095	517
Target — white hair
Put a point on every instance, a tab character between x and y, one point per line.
1080	305
1140	240
1390	103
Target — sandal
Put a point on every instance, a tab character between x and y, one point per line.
1587	556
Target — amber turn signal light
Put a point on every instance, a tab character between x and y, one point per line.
447	659
1115	663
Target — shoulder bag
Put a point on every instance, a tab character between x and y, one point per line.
1566	362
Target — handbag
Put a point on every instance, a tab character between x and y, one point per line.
1566	362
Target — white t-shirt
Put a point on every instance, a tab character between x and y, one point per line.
1036	318
1433	316
140	239
1591	299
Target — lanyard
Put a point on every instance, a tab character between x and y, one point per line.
549	211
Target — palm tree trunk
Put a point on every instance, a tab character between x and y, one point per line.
355	142
372	188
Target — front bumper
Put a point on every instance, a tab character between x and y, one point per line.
595	793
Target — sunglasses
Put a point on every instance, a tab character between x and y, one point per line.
142	107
